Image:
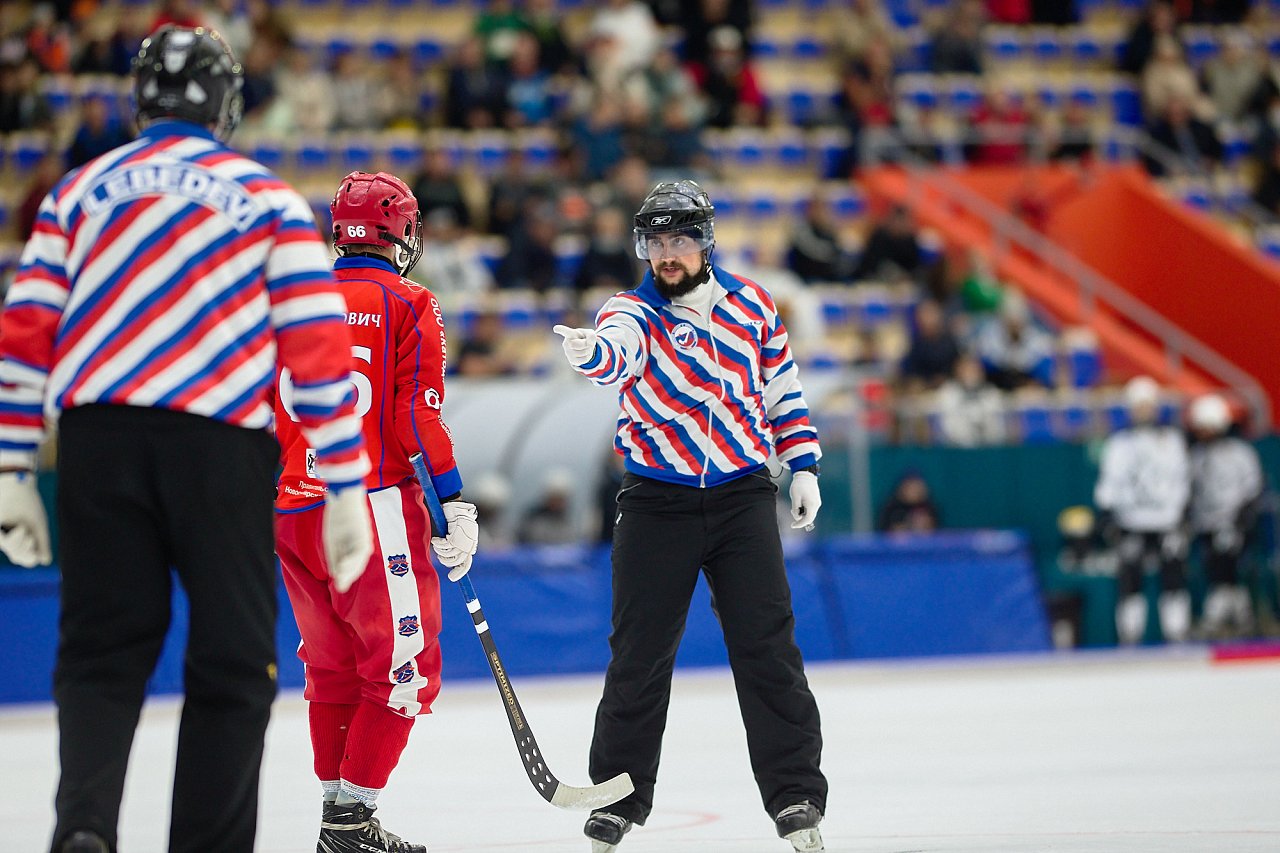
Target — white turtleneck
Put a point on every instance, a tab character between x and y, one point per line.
701	298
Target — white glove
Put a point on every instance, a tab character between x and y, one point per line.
347	534
806	499
456	548
579	344
24	528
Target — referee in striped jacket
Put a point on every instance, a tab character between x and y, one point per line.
162	283
708	389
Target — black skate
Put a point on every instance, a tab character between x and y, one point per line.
605	831
84	842
352	828
799	825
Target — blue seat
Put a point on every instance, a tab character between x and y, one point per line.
427	52
382	49
313	155
919	90
404	155
1197	196
1074	422
964	95
747	152
1046	46
1086	47
58	94
763	207
802	107
807	48
793	153
27	152
268	152
1126	104
764	46
875	310
357	154
849	204
1116	416
1035	425
1201	44
1004	44
1084	366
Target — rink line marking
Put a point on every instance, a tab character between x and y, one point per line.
1246	652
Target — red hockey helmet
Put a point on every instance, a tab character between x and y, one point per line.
378	210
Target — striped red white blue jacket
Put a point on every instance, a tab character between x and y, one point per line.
704	400
172	273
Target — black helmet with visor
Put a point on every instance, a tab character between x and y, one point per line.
674	209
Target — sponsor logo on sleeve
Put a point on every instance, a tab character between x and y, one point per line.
408	626
398	564
403	674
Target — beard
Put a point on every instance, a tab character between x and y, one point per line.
685	284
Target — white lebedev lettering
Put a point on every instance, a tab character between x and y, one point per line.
190	182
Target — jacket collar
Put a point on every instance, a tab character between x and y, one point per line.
365	262
648	289
166	127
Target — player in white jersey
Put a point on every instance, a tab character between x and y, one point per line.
1142	492
1226	487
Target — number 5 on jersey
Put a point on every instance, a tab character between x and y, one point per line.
364	388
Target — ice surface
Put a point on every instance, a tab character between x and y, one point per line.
1089	753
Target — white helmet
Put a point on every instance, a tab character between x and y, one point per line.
1210	413
1141	390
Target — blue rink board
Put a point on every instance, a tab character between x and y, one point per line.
548	609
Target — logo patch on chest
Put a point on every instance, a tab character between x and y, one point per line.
684	336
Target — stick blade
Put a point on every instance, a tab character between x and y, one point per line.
593	797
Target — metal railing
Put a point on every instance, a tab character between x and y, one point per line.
1091	287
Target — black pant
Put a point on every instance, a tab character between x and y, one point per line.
141	491
664	535
1138	547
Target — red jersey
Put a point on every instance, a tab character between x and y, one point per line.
397	367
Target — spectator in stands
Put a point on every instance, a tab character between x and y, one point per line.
528	86
932	357
22	105
475	92
512	191
306	103
816	253
1001	128
734	96
866	99
970	410
1056	12
892	249
400	93
179	13
598	131
48	171
1220	11
1231	77
1226	495
454	266
910	508
1193	145
531	261
1267	192
1070	135
1158	20
853	27
359	96
1015	352
231	20
436	186
49	40
610	260
550	521
957	44
260	89
1168	77
498	26
480	354
554	54
491	493
99	132
103	49
700	18
621	38
666	111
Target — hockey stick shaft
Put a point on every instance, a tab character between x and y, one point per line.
552	789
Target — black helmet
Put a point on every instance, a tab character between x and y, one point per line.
188	74
675	206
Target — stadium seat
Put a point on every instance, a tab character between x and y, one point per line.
808	48
1033	423
268	152
405	154
1201	44
1074	422
1126	103
1046	45
58	92
919	90
427	52
964	94
357	154
1004	44
26	150
1085	46
313	155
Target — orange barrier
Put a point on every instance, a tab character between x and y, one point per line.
1109	224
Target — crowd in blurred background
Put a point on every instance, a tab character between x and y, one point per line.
530	130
